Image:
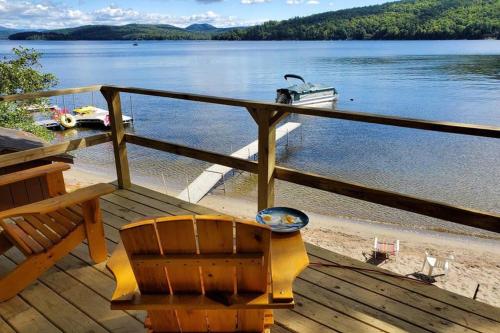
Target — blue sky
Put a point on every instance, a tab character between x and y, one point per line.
222	13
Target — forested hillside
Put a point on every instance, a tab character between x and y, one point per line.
409	19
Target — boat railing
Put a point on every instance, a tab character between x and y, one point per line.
266	116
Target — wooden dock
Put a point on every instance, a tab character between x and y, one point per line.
195	191
74	295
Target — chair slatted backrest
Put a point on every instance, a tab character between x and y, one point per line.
201	236
32	185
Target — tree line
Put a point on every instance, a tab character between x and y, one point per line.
411	19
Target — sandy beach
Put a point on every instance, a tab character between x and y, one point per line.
476	260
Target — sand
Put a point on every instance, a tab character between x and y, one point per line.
476	260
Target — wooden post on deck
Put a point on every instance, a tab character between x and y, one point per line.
267	157
118	133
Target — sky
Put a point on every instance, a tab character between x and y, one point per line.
51	14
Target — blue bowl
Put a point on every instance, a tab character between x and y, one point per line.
277	213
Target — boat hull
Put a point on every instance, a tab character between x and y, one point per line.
318	100
306	94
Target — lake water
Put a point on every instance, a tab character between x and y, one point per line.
437	80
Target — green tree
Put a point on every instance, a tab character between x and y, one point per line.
18	75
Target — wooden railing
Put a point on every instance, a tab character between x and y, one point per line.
266	116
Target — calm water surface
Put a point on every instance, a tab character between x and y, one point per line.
437	80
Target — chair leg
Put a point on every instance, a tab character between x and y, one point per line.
423	266
95	230
35	265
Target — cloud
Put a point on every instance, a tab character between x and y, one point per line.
33	14
252	2
298	2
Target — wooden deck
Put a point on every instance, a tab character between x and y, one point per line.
74	296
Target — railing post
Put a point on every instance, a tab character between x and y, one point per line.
267	158
112	97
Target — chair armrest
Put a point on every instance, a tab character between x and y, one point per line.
60	201
288	259
119	265
40	171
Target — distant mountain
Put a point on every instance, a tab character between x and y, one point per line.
407	19
203	27
110	32
6	32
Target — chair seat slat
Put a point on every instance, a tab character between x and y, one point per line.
18	237
72	216
33	233
47	232
63	220
199	302
61	230
242	259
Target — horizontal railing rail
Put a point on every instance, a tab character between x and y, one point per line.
438	126
266	115
52	150
50	93
199	154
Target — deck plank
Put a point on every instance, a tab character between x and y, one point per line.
119	211
279	329
396	301
197	209
320	288
5	327
19	315
54	303
132	205
153	203
58	310
296	322
330	318
24	318
434	299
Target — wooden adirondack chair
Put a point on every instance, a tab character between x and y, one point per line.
205	273
45	223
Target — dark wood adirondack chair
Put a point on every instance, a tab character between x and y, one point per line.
45	223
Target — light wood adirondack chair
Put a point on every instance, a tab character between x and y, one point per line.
45	223
205	273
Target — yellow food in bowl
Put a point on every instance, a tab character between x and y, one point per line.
267	218
289	219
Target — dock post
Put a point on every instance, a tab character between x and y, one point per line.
132	111
112	97
187	188
164	183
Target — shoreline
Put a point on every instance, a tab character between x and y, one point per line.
477	260
247	208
